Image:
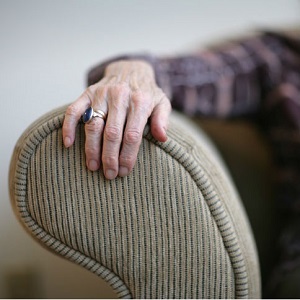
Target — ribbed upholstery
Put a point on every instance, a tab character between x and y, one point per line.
173	228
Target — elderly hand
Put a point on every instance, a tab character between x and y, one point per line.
128	95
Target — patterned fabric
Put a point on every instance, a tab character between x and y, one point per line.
257	78
173	228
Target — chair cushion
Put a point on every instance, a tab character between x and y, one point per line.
173	228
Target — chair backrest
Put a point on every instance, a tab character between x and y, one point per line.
173	228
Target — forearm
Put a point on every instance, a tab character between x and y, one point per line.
230	80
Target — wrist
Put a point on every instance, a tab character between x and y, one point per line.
129	67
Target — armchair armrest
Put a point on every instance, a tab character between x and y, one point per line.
173	228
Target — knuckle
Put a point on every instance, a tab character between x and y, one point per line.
88	94
164	104
127	161
110	161
93	87
94	126
112	133
158	92
72	111
120	89
138	97
89	91
141	102
91	150
118	104
132	136
100	91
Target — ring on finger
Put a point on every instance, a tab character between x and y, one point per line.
90	113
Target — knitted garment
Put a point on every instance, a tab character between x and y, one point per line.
258	78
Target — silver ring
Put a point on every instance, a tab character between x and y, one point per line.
90	113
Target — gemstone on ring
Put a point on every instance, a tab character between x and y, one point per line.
88	114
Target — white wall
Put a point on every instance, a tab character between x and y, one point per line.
46	48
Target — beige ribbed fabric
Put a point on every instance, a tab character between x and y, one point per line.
173	228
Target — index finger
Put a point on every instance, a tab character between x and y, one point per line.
73	115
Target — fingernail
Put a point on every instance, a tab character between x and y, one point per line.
67	141
93	165
123	171
110	174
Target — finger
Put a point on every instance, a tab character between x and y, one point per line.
93	135
73	115
160	119
118	98
94	131
138	115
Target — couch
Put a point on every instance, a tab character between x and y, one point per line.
176	227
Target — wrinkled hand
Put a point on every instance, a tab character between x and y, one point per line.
129	96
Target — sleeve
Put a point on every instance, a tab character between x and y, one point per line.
229	80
